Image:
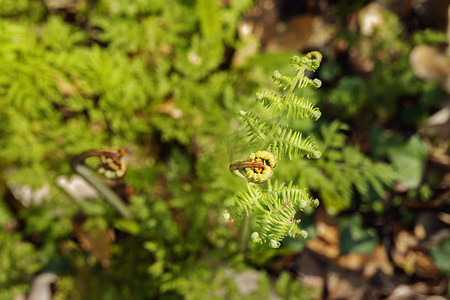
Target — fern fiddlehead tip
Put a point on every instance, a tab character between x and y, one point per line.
303	234
316	154
255	237
317	83
317	114
112	166
226	216
315	203
274	244
314	55
258	169
265	156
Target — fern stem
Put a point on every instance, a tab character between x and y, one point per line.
244	233
104	190
271	134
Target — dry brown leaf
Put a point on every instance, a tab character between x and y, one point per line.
251	44
61	4
427	223
352	261
438	125
405	240
444	217
169	108
327	244
64	87
369	264
429	63
346	285
405	292
432	287
330	251
261	20
425	266
379	260
436	238
300	33
327	226
311	272
407	255
98	245
415	262
370	18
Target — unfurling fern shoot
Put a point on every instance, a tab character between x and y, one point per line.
276	205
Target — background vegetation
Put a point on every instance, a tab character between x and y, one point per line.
165	80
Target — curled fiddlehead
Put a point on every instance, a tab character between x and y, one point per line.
112	166
258	167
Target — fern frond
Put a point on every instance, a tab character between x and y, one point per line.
246	201
310	61
271	229
284	202
378	176
283	81
275	208
366	174
270	100
383	175
291	194
302	107
254	125
305	81
289	142
296	107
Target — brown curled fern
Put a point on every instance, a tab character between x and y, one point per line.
110	165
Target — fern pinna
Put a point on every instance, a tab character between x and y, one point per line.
276	205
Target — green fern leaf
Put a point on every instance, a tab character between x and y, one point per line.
283	203
380	176
301	108
246	201
271	229
255	126
297	198
310	61
270	100
275	208
289	142
283	81
296	107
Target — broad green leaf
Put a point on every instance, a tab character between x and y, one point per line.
441	255
409	161
354	238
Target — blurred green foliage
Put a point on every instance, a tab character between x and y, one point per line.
440	253
154	77
354	238
409	161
